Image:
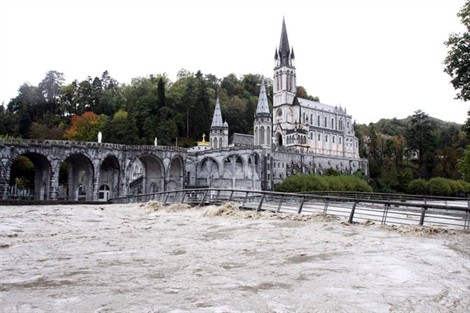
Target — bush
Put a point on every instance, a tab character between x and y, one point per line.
307	183
418	187
439	186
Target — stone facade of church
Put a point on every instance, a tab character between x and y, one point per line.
298	136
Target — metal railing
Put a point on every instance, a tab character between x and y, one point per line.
355	207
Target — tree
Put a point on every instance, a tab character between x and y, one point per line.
464	165
85	127
457	61
421	140
51	87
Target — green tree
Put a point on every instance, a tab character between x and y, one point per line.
51	87
464	165
457	62
421	140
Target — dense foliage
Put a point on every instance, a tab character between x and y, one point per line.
313	182
438	186
458	58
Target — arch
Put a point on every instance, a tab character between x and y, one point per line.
176	174
208	170
109	175
79	181
261	135
151	176
279	139
34	183
233	169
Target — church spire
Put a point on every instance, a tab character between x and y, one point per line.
217	118
284	49
263	105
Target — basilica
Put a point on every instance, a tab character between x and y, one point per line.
297	136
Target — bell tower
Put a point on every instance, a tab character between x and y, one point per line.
284	82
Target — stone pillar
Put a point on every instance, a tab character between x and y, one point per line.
95	182
4	181
54	182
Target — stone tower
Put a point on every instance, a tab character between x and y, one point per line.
219	129
286	109
284	83
263	122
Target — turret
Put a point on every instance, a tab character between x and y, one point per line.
263	122
219	129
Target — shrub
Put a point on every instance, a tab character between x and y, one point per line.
307	183
418	187
439	186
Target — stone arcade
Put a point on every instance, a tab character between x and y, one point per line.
299	136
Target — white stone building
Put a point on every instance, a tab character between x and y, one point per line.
299	136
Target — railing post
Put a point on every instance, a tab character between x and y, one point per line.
231	195
166	197
423	213
325	208
260	203
384	216
301	205
279	206
351	216
184	196
244	200
203	197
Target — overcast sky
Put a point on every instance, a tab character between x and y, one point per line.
376	58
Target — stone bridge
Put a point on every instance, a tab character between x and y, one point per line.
91	171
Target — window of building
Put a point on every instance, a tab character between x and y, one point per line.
319	137
326	138
326	122
333	139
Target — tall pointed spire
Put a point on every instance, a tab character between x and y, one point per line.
217	118
284	49
263	105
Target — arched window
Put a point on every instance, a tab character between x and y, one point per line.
326	122
261	135
333	123
318	120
